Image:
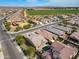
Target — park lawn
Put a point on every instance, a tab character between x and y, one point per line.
51	12
21	24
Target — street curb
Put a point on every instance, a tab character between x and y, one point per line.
20	50
1	52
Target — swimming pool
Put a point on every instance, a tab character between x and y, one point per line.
45	48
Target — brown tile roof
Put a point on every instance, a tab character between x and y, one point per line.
75	35
59	50
47	35
64	51
47	55
37	40
58	46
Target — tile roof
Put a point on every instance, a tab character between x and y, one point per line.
37	40
47	35
47	55
64	51
75	35
66	29
55	31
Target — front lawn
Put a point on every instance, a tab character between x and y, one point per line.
28	50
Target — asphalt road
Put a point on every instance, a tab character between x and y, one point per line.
9	49
32	29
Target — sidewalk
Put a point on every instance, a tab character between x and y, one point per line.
1	52
78	57
19	49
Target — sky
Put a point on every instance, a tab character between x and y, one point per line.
32	3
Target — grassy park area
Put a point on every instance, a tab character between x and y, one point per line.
52	12
17	26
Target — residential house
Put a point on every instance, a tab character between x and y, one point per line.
75	37
55	31
47	35
36	40
65	29
65	52
74	21
59	51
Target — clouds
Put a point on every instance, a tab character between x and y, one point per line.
48	1
40	2
36	2
31	1
64	2
53	2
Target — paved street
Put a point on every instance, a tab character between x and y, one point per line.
33	29
9	49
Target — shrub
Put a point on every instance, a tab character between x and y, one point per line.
20	39
18	28
31	22
7	25
30	51
27	26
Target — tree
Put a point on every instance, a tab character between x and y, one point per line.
46	17
31	22
60	24
30	51
27	26
74	29
7	25
64	21
30	9
18	28
20	39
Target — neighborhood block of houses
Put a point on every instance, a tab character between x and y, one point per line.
49	36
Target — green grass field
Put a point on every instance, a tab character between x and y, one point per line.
51	12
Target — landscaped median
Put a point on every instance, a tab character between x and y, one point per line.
28	50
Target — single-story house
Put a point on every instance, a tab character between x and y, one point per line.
55	31
36	40
47	35
59	51
66	29
65	52
75	37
